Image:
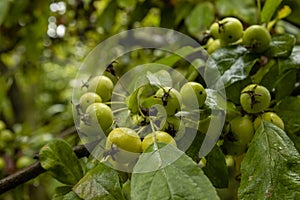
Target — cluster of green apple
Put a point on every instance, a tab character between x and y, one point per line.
156	106
230	30
255	101
149	105
96	116
149	99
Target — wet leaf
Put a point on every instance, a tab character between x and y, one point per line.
58	158
271	168
181	179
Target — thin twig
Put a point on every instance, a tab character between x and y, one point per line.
36	169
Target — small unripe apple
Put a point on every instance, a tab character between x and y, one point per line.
269	117
99	114
242	129
170	98
159	137
255	98
193	95
87	99
101	85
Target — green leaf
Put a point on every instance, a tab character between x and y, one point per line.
181	179
101	182
293	62
229	65
295	15
176	56
262	71
272	74
164	77
108	16
239	70
271	167
65	193
289	110
182	10
71	196
192	72
285	84
194	148
269	9
200	18
140	11
215	100
167	17
281	46
60	192
216	169
61	162
161	78
284	73
126	189
4	7
233	92
244	10
153	80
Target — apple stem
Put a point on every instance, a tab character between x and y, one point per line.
141	129
115	102
120	110
189	120
119	94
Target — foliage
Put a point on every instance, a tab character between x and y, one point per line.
281	168
43	43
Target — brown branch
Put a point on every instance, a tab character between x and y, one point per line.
36	169
20	177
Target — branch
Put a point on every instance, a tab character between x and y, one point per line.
21	177
35	170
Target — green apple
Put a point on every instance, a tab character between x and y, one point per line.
269	117
214	30
257	38
255	98
242	129
124	145
24	161
189	91
99	114
87	99
101	85
170	98
230	29
159	137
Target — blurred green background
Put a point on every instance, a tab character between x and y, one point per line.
43	43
